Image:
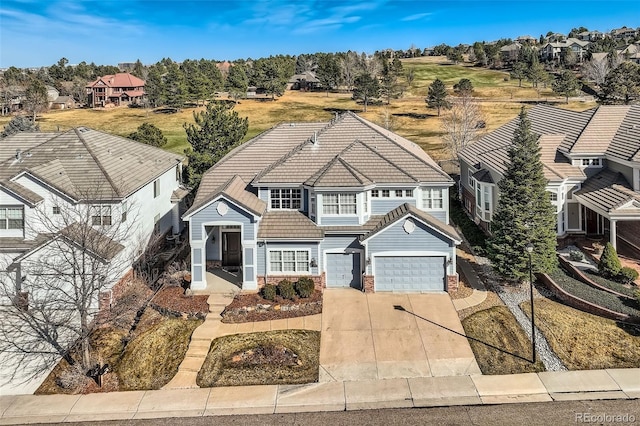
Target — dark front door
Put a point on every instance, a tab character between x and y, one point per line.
231	249
591	219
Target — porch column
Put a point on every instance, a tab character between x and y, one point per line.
612	233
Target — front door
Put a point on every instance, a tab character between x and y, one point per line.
591	219
231	249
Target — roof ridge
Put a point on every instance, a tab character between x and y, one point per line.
353	169
95	159
374	151
281	160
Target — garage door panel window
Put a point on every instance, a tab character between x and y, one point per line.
289	261
432	199
339	204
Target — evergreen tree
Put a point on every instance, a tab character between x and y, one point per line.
149	134
536	73
519	72
35	98
328	72
524	213
566	84
389	86
19	123
216	131
176	86
609	265
622	84
437	96
139	70
237	81
464	87
366	88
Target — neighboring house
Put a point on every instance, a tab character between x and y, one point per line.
527	39
346	203
116	178
591	161
591	36
116	90
624	33
52	95
554	50
305	81
510	52
63	102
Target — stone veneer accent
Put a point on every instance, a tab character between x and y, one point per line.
452	283
368	283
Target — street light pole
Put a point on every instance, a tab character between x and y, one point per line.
533	324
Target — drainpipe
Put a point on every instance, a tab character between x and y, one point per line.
266	266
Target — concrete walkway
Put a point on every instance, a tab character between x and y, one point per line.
328	396
479	291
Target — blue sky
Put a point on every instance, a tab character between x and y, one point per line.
35	33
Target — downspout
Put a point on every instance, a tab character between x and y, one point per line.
266	266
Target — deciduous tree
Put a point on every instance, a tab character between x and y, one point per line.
524	213
35	98
462	124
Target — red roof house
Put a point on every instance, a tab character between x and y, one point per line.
116	89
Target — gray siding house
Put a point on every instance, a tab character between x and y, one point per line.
346	203
591	161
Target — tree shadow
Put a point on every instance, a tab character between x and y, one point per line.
401	308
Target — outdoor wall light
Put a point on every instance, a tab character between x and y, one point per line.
368	260
260	243
313	263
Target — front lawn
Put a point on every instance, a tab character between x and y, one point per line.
584	341
498	327
268	358
594	295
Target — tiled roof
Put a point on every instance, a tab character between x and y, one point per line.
13	245
491	150
599	132
368	226
555	165
288	224
608	191
82	163
121	79
407	209
483	175
235	189
625	144
338	173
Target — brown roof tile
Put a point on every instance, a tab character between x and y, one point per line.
288	225
608	191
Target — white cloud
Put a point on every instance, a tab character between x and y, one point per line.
416	16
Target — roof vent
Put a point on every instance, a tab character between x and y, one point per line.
314	139
292	124
18	154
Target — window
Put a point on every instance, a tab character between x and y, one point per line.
101	215
553	196
591	162
470	180
56	210
286	261
408	193
487	197
125	209
313	205
156	188
385	193
178	174
375	193
366	202
286	199
339	204
432	198
399	193
156	223
11	218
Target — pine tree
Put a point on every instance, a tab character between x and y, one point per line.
437	96
609	265
524	213
566	84
237	81
366	88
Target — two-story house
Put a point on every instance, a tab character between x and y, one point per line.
346	203
591	161
113	179
553	51
116	89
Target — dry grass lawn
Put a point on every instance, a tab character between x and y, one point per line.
500	101
584	341
223	368
497	326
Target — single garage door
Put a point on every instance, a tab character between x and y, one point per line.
409	273
343	270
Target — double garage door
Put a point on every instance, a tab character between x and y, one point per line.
409	273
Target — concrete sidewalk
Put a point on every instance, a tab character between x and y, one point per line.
329	396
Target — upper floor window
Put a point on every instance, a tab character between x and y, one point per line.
156	188
375	193
101	215
408	193
591	162
56	209
553	196
398	193
385	193
125	210
432	198
339	204
11	217
470	180
286	199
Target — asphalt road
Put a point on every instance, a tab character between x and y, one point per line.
549	413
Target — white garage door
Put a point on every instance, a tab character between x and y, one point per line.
409	273
343	270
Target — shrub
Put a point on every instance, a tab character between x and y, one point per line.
576	256
627	275
609	265
286	290
268	292
305	287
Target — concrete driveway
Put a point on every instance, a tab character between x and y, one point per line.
364	337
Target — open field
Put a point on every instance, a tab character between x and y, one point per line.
500	101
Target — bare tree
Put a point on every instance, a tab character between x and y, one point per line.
597	68
49	298
349	68
462	124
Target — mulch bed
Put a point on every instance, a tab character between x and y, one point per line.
252	307
172	301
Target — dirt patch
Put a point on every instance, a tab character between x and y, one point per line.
252	308
464	289
269	358
173	301
510	348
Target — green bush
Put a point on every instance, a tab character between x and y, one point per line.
627	275
286	290
304	287
268	292
576	255
609	265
